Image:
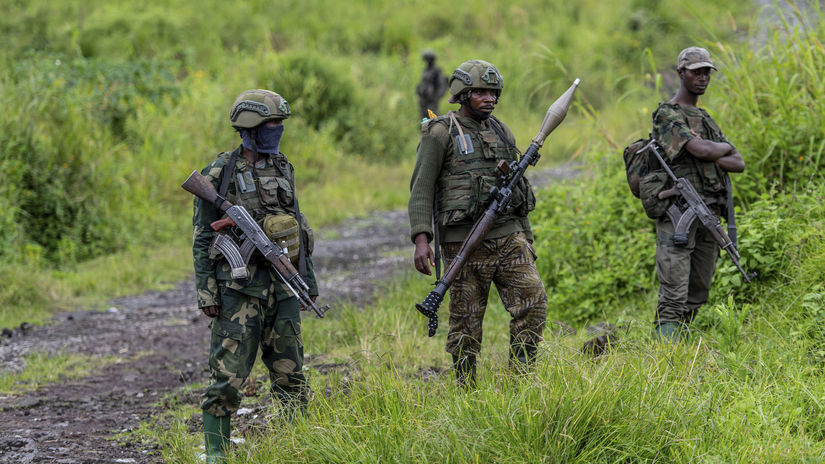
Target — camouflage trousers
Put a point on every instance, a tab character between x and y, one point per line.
685	273
510	263
244	323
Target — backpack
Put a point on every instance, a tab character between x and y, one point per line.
645	177
638	165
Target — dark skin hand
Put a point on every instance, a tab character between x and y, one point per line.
694	84
424	257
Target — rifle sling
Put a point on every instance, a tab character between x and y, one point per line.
227	172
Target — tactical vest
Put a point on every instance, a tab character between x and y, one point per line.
466	179
706	176
262	190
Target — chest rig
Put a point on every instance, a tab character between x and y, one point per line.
266	189
469	172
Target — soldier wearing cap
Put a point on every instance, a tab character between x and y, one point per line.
695	148
432	86
256	311
456	163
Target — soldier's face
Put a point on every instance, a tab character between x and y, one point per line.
696	80
483	100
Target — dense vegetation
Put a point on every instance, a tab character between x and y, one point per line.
110	104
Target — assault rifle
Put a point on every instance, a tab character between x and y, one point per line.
500	200
252	234
688	207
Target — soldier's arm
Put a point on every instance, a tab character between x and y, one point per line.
732	162
206	282
429	159
707	150
726	156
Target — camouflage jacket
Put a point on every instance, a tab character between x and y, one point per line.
672	126
463	181
267	189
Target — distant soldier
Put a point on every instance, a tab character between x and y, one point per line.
432	87
258	311
694	148
456	161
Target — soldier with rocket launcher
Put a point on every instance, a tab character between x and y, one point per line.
468	161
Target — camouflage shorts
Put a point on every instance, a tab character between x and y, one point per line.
510	263
244	324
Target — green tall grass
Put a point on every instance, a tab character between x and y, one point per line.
746	387
115	103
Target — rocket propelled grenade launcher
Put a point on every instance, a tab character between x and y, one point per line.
199	186
500	201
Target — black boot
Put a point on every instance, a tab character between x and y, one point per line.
522	354
465	370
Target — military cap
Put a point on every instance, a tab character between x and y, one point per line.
694	58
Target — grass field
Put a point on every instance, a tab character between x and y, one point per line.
117	102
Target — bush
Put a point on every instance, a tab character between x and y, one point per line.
775	103
60	173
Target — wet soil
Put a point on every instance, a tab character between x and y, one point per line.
155	344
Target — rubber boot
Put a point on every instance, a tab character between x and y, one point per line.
668	332
216	437
465	370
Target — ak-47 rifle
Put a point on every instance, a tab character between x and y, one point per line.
688	207
500	200
252	233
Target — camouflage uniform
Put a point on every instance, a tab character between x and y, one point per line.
259	310
685	273
506	258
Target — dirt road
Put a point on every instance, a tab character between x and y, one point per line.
154	344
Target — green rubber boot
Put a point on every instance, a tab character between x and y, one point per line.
669	332
216	437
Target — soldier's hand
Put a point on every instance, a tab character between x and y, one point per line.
313	298
211	311
424	256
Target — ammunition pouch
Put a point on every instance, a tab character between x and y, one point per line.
649	187
283	231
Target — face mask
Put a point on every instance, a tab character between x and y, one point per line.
268	140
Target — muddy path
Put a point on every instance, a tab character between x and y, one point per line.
154	344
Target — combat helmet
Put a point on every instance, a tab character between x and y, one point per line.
255	107
474	74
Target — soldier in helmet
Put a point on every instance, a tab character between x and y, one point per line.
258	311
694	148
432	87
456	163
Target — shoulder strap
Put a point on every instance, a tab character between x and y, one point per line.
227	171
496	125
